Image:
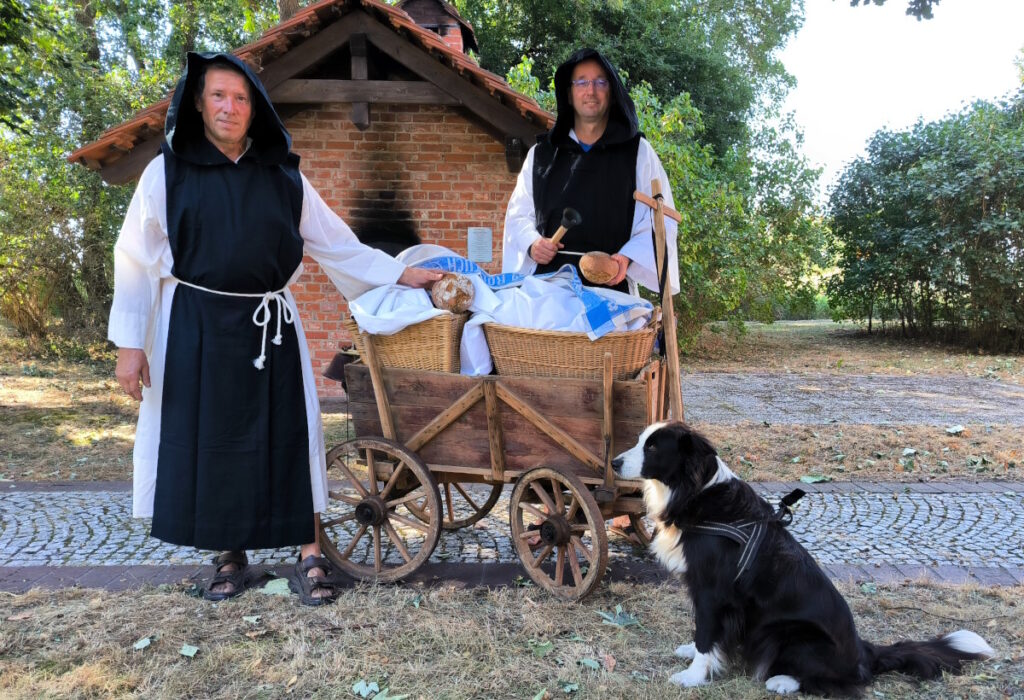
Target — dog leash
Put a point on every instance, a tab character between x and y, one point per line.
749	534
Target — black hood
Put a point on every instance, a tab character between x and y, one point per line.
622	122
183	129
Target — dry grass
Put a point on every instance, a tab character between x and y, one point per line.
840	348
759	452
508	643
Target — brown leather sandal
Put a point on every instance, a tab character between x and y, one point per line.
237	579
304	585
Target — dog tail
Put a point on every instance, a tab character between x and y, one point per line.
928	659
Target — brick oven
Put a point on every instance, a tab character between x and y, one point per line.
400	131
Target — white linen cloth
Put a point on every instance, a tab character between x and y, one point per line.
521	224
144	288
555	301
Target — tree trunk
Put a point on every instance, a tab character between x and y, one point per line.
287	8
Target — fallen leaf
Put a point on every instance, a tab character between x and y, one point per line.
609	662
542	695
619	618
20	616
289	686
142	644
364	689
814	478
590	663
277	586
908	451
188	650
541	649
568	687
955	429
252	619
868	588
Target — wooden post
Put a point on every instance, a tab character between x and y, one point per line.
607	491
668	311
495	436
360	71
380	392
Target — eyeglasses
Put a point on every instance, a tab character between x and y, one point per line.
583	83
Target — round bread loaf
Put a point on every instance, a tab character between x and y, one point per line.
598	267
452	293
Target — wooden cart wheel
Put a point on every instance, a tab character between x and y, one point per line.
370	530
465	502
643	529
558	532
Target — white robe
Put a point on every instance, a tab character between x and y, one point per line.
144	288
521	224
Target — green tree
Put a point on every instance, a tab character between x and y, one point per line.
930	228
922	9
722	52
88	66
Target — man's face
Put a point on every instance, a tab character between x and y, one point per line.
590	103
226	106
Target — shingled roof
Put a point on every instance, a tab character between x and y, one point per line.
270	52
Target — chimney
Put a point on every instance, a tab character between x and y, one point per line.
444	20
452	35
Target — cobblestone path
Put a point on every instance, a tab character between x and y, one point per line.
947	532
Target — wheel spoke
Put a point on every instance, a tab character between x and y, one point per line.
574	508
352	477
344	498
574	564
377	558
371	467
556	488
411	496
352	545
336	521
409	522
543	496
533	511
465	495
544	554
448	502
392	481
559	565
578	544
397	541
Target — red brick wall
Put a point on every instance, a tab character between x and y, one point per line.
446	171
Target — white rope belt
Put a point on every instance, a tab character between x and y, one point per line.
261	316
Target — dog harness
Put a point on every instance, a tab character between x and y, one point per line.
749	534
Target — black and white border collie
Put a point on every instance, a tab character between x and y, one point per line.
772	608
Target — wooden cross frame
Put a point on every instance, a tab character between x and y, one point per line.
668	313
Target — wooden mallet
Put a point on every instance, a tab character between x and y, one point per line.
570	218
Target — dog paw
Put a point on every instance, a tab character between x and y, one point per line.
783	685
686	651
690	678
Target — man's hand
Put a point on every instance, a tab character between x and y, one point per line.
623	262
132	366
419	278
543	250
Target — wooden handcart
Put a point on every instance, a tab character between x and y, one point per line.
435	449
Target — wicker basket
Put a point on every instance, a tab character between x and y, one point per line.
432	344
526	352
